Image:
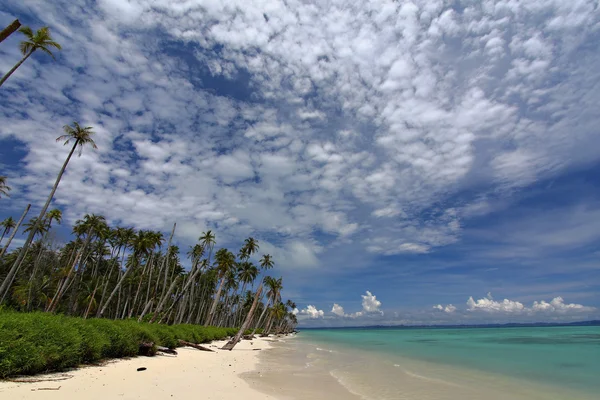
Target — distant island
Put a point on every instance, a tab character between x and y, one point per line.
458	326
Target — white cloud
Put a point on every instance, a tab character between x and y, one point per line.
447	309
358	116
557	305
370	303
338	310
312	312
370	307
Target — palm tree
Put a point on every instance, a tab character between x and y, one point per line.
7	224
81	136
225	261
52	215
9	30
38	228
15	230
4	188
40	40
141	244
207	240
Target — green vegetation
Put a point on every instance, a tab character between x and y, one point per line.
38	342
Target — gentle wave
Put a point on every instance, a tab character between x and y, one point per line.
426	378
326	350
342	381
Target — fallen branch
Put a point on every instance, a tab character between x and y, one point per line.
48	388
196	346
166	350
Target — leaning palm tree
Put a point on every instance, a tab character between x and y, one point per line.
16	228
80	136
8	224
9	30
40	40
4	188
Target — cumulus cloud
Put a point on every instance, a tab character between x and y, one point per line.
370	307
556	305
312	312
338	310
370	303
447	309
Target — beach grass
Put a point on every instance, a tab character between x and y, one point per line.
37	342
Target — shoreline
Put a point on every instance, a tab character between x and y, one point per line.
307	370
188	375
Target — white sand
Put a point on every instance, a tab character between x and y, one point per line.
192	374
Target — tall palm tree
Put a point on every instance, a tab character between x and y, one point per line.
225	261
40	40
52	215
8	224
80	136
141	244
207	240
15	230
9	30
4	188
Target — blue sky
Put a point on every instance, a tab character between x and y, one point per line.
396	158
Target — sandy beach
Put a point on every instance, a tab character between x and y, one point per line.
192	374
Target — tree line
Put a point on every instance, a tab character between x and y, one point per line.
123	272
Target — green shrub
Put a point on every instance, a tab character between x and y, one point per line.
37	342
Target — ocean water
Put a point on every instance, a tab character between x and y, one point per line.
445	364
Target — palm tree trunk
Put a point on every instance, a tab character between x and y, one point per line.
62	288
9	73
89	307
115	289
36	263
3	233
7	281
106	283
9	30
261	316
166	260
145	310
231	344
10	238
162	302
184	290
215	301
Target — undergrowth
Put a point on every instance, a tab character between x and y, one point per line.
38	342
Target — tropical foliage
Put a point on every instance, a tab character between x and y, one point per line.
122	273
39	40
39	342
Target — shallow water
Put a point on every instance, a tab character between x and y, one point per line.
511	363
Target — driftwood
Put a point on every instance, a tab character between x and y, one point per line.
149	349
166	350
196	346
46	388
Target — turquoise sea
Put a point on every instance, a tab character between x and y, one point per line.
465	363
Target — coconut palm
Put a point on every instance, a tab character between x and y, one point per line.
225	261
9	30
80	136
141	244
40	40
4	188
8	224
16	228
51	216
